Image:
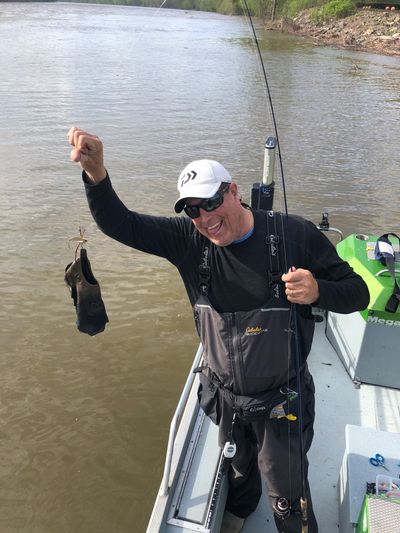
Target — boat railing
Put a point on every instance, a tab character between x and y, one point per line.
333	230
175	421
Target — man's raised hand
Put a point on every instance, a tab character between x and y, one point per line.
88	152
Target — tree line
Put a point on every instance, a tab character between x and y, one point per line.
263	9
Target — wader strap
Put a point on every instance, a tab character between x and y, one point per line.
204	270
272	240
386	255
274	273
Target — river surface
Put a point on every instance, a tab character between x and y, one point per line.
84	420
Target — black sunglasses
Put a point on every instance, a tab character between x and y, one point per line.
208	204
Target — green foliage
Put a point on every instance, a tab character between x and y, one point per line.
228	7
290	8
335	9
232	7
259	8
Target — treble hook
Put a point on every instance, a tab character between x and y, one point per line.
80	241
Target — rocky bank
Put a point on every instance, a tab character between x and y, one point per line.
371	30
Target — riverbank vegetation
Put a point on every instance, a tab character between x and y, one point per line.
263	9
323	10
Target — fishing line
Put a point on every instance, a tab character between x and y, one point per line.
293	313
156	10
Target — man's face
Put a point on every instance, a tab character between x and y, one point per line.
223	225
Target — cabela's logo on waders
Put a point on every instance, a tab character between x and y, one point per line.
255	330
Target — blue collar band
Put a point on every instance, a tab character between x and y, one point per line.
245	236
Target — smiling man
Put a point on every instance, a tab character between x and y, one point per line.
233	262
211	200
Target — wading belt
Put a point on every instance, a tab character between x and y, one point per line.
274	403
385	253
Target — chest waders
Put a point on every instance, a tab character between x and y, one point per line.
248	355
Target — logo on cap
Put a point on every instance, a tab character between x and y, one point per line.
187	177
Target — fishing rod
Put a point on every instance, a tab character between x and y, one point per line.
262	198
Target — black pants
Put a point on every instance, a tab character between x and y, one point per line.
272	447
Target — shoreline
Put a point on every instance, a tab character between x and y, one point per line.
368	30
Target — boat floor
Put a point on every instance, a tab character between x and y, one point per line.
338	402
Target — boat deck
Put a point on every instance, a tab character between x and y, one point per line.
339	402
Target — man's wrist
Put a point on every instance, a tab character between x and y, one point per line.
94	178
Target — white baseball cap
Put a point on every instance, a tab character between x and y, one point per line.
200	179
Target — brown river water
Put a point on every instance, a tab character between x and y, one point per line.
84	421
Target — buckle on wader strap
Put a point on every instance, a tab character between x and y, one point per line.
385	253
275	272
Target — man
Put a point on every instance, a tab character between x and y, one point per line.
242	270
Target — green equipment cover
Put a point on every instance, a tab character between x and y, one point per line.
379	514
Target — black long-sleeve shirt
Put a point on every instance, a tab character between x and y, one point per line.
239	272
